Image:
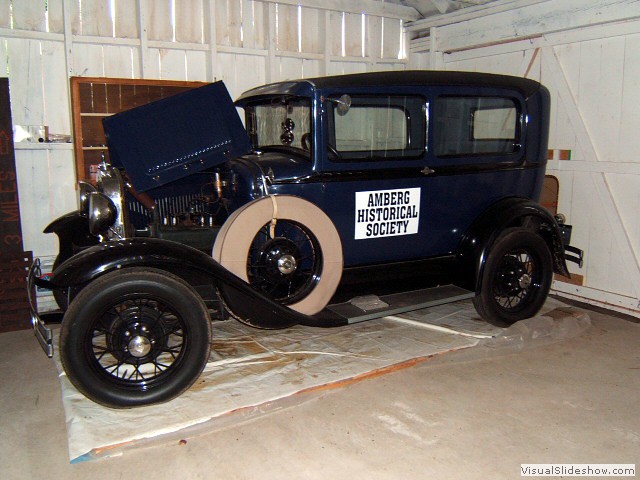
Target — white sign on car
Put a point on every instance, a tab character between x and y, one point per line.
387	213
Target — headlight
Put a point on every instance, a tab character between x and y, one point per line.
102	213
560	218
84	189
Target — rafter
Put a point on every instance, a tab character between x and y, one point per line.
370	7
470	13
443	6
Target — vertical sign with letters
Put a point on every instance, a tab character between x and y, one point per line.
14	310
10	230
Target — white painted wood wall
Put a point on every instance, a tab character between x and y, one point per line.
243	42
587	52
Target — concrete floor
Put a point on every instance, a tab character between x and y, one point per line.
464	416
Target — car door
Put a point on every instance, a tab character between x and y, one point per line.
373	179
392	197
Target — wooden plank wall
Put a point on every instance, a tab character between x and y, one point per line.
243	42
587	52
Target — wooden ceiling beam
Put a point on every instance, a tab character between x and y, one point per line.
469	13
443	6
370	7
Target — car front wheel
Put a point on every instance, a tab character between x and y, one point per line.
135	337
516	277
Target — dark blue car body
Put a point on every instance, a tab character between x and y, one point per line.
455	189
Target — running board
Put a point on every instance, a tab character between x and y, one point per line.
369	307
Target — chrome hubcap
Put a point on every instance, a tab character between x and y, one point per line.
525	281
287	264
139	346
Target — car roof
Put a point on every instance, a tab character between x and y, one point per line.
394	78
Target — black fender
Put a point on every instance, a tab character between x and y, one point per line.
510	212
187	262
73	234
67	222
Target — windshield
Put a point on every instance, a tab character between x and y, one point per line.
282	122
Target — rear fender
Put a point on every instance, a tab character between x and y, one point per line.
190	264
511	212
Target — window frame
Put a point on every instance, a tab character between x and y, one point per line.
251	127
520	130
414	127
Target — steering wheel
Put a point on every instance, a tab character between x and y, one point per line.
305	141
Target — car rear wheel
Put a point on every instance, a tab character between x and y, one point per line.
286	248
135	337
516	277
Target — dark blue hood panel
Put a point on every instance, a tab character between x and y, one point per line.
172	138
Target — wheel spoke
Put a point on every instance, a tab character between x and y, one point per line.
273	287
153	324
264	231
302	243
114	368
136	371
161	366
264	269
287	229
516	278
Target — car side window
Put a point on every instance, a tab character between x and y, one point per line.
378	127
476	126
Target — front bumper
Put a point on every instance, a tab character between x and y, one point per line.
40	330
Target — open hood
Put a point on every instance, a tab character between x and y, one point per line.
172	138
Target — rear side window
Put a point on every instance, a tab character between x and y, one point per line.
379	127
476	126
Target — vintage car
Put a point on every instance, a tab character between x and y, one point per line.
399	189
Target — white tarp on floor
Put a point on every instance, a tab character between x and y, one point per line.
250	369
